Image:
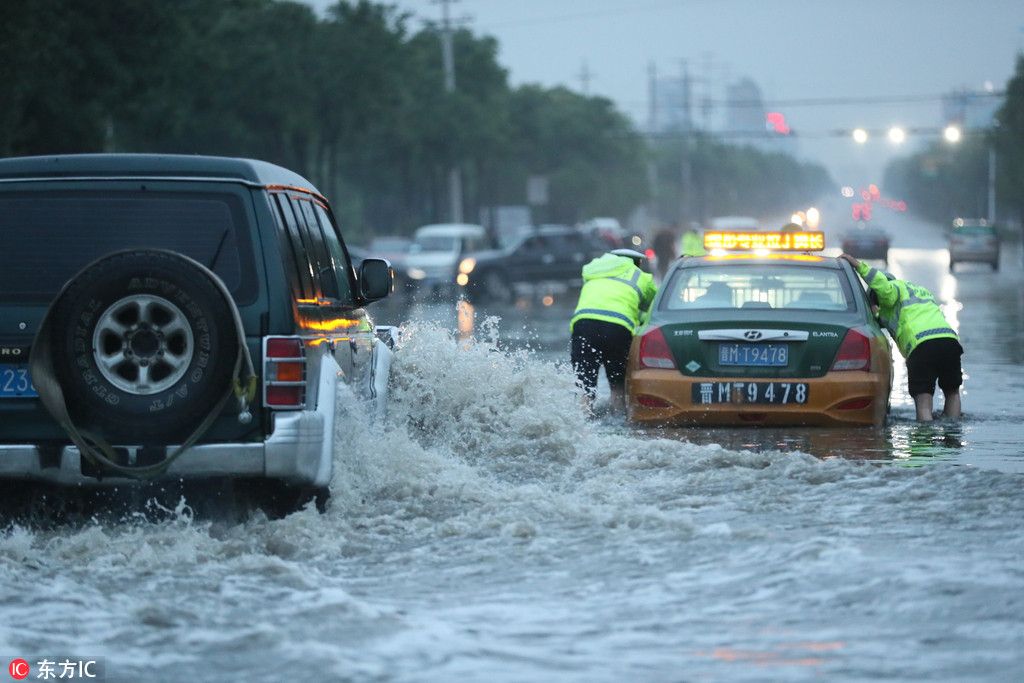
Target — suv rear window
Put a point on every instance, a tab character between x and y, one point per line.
56	234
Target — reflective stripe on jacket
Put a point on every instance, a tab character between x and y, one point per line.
908	311
614	290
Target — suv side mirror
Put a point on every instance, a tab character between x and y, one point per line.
376	279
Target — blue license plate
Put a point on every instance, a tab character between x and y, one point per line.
15	381
756	355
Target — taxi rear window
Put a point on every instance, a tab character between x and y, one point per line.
756	286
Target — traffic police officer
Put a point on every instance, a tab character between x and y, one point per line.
923	336
615	295
692	244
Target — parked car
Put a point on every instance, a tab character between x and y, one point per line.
179	318
867	242
782	339
391	247
401	285
537	255
435	253
973	241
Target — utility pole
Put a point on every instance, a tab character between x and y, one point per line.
454	174
686	165
991	184
652	98
653	208
585	77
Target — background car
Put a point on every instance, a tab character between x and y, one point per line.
783	339
435	253
973	241
552	254
867	242
403	285
394	248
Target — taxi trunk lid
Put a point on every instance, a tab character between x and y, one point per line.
758	349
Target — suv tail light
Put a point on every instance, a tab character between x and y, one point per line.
284	370
854	352
654	351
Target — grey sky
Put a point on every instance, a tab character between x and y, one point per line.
825	64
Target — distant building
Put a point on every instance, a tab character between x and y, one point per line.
748	121
741	119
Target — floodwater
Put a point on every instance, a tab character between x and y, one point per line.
487	530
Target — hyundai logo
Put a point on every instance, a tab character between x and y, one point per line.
752	335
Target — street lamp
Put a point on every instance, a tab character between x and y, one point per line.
897	135
991	183
860	136
952	134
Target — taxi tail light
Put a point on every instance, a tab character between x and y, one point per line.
654	351
854	352
284	370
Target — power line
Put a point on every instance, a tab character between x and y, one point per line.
846	101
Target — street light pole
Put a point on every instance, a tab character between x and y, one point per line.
991	184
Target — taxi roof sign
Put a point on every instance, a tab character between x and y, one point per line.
772	241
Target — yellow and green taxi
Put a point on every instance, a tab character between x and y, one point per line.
760	331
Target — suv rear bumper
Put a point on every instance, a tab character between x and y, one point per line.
292	454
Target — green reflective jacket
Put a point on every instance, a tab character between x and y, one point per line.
908	311
692	244
614	290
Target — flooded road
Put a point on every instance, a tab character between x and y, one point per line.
986	308
487	530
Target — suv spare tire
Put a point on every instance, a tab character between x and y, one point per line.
143	346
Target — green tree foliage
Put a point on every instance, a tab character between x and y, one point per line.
948	181
353	100
1009	141
944	181
594	162
701	177
68	68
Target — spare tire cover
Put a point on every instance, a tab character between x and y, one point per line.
143	345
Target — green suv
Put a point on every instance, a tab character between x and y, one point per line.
171	318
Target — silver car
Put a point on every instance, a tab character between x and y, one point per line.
973	241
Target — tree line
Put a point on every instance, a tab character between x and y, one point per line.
945	181
356	101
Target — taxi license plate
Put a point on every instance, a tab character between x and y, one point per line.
775	393
760	355
15	382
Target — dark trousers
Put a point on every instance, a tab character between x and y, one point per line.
597	343
935	360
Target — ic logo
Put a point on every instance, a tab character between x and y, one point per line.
18	669
752	335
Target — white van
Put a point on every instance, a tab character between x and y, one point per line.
435	253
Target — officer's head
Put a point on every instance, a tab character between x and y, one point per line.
873	300
630	254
